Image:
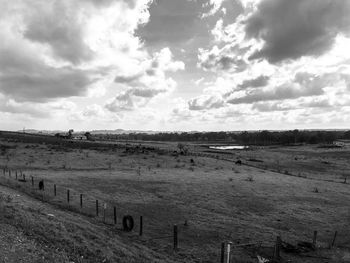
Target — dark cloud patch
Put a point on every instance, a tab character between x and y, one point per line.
222	61
304	85
292	29
280	106
128	79
205	103
286	91
173	21
59	28
147	93
126	100
122	102
10	106
260	81
25	77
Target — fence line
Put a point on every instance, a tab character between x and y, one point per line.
84	205
225	249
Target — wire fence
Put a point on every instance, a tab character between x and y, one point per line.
139	225
120	217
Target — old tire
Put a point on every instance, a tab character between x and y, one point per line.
128	223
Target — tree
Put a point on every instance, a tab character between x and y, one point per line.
88	136
70	133
183	148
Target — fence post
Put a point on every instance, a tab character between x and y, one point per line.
16	174
115	215
32	181
175	238
68	196
228	252
96	207
104	212
24	177
54	190
81	200
335	236
222	258
141	225
314	240
276	254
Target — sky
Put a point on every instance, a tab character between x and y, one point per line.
174	65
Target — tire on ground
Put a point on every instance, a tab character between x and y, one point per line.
128	223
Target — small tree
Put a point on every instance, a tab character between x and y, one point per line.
183	148
88	136
70	133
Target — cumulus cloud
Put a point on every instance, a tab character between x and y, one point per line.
25	77
303	85
215	7
58	27
227	59
122	102
149	81
292	29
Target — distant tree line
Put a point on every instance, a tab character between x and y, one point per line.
247	138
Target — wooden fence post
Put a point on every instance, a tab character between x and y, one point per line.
333	241
141	226
96	207
314	240
276	252
54	190
81	200
104	212
32	181
222	258
24	177
228	252
115	215
68	196
175	238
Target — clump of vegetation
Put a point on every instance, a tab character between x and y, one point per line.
250	178
316	190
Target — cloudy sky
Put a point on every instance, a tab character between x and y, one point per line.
174	64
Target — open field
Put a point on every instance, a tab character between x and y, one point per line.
291	192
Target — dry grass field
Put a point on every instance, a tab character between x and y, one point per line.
278	191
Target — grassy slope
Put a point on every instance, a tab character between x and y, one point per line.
33	231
